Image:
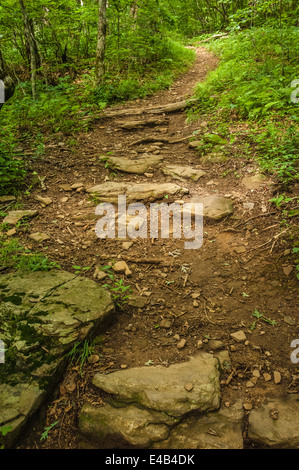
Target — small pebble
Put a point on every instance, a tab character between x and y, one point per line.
277	377
267	377
181	344
189	387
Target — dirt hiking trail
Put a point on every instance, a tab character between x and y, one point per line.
182	300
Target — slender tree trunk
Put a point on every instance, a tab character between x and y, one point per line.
101	44
34	59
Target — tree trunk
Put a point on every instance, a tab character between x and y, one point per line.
101	44
34	59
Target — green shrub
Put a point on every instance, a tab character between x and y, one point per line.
12	171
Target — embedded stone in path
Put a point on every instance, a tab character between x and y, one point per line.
109	191
14	217
163	389
5	199
39	237
276	424
214	157
255	182
179	172
216	430
42	315
109	427
46	201
216	207
194	144
137	166
147	402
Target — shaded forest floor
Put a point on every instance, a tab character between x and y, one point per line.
244	264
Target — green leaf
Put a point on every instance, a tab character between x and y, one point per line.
257	314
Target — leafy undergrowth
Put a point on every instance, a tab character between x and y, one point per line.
13	255
70	105
255	84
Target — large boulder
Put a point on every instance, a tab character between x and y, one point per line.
163	389
109	427
42	315
145	404
221	429
276	424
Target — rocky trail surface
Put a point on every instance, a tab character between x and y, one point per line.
200	353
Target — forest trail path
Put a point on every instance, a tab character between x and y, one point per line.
181	298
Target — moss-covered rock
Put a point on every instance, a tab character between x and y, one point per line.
42	315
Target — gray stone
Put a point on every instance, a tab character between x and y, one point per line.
276	424
4	199
238	336
65	187
213	157
122	267
179	172
17	405
127	245
137	301
255	182
194	144
42	314
224	360
217	430
39	237
14	217
109	191
215	344
139	165
216	207
163	389
44	200
125	427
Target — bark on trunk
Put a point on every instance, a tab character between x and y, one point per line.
101	44
34	59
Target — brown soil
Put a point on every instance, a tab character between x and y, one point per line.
231	285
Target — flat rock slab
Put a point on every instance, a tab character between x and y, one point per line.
216	207
4	199
137	301
46	201
109	191
276	424
163	389
137	166
214	157
14	217
180	172
255	181
39	237
17	405
108	427
42	315
216	430
194	144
